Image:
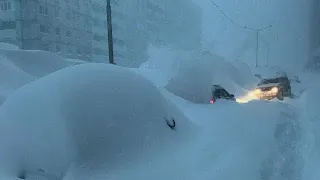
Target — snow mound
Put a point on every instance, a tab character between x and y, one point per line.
197	75
89	116
156	75
36	63
19	67
11	78
8	46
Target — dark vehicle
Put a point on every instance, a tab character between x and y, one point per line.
273	88
219	92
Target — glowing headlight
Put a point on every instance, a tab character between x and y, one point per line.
257	91
274	90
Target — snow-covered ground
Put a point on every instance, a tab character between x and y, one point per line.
98	121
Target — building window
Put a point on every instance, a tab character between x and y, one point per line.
56	12
96	22
44	29
43	10
69	51
6	6
7	25
87	22
78	51
58	49
57	31
45	47
68	34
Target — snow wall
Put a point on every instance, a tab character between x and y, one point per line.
191	75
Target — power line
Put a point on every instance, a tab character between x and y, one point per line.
227	17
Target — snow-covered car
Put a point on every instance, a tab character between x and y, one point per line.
278	87
219	92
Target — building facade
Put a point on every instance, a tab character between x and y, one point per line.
8	32
60	26
313	62
77	29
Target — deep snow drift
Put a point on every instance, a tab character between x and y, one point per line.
19	67
37	63
91	116
194	78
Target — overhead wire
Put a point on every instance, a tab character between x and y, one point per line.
228	18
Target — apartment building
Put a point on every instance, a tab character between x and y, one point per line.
60	26
8	32
100	34
313	62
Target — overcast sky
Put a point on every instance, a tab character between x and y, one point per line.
288	36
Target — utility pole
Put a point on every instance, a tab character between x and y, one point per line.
257	43
110	37
268	51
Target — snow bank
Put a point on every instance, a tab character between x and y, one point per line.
309	103
8	46
36	63
197	74
11	78
91	116
156	75
19	67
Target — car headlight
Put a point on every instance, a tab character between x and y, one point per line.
257	91
274	90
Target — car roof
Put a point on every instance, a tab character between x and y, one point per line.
217	86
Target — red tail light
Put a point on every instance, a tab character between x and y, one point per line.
211	101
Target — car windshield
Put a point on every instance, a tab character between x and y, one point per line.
267	81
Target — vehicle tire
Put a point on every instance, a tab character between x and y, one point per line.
280	95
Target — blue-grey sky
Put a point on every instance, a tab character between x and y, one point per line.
288	36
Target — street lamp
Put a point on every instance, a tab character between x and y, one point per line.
257	43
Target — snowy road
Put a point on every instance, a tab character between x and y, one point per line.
263	134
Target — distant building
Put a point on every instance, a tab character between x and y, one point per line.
77	29
313	62
60	26
100	35
8	30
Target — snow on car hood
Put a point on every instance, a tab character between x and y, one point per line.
268	85
91	114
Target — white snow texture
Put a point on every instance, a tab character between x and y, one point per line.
62	120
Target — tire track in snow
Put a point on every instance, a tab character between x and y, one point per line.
285	161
